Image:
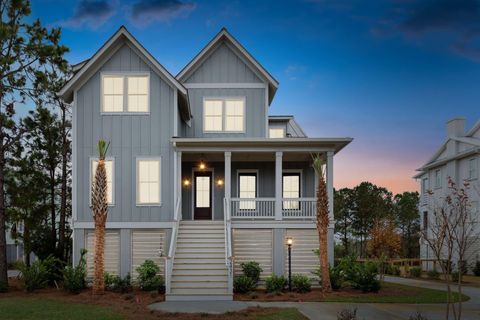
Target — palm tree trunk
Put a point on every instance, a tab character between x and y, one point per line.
99	260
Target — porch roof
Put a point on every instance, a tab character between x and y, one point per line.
261	144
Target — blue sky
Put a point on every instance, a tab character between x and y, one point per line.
388	73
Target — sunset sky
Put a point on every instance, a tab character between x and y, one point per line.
387	73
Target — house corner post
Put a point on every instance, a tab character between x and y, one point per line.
278	185
178	180
329	178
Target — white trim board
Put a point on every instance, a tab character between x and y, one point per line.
253	85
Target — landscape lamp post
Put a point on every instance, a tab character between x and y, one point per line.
289	244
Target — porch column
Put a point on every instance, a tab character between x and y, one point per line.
179	181
278	185
228	175
329	178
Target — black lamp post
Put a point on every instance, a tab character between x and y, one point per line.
289	244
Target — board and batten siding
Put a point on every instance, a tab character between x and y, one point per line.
253	245
147	244
130	136
112	252
304	259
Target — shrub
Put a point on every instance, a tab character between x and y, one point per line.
364	277
347	314
301	283
476	269
252	270
109	280
243	284
336	277
117	283
54	267
433	274
35	276
275	284
148	278
416	272
74	277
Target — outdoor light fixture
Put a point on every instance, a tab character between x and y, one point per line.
219	182
202	165
289	244
186	182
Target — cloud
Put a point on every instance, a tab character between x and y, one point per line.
144	12
91	13
294	71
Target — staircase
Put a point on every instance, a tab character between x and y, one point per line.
199	271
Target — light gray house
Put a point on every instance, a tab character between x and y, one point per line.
200	177
457	158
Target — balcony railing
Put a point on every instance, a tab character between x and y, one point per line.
264	208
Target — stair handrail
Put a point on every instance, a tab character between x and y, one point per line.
177	217
228	242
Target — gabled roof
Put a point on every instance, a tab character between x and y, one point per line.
224	35
82	69
474	129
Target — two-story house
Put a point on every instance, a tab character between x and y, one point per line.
457	159
200	177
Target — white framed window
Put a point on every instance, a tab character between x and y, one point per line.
247	189
291	190
148	181
438	178
276	133
110	169
224	115
472	168
125	93
424	185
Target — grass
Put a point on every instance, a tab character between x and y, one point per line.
38	308
403	294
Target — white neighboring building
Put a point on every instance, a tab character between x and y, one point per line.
458	158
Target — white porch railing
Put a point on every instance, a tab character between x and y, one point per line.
177	216
258	208
301	208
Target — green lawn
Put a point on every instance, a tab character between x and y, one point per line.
37	308
403	294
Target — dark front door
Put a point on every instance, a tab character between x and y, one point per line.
202	202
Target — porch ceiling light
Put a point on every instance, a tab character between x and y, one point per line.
202	165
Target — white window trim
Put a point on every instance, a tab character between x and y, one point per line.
90	179
283	132
148	158
125	75
475	163
224	117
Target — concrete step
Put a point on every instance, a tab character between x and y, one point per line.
196	244
201	235
191	278
198	266
204	297
200	272
204	241
204	249
199	255
205	261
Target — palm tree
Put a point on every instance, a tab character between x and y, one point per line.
322	222
100	211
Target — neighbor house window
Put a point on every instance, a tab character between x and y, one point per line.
148	181
424	185
276	133
438	178
472	168
291	190
109	168
425	221
125	93
226	115
247	189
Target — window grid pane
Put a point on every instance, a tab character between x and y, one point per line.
291	190
213	115
137	94
148	181
112	94
247	190
234	115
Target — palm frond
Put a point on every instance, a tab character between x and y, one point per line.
102	148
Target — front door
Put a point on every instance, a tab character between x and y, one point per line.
202	202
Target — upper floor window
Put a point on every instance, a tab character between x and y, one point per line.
276	133
109	168
472	168
125	93
424	185
438	178
224	115
148	181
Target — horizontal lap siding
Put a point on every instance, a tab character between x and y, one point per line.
253	245
147	244
112	252
304	260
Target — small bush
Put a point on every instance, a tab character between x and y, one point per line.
148	278
416	272
35	277
109	280
433	274
476	269
364	277
336	277
243	284
74	277
301	283
252	270
347	314
15	265
275	284
54	267
117	283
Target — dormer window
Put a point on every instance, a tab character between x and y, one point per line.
276	133
125	93
224	115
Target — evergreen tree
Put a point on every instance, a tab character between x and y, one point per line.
408	220
343	214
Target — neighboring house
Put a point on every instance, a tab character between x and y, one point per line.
14	248
200	178
457	158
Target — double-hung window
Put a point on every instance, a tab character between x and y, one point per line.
125	93
109	168
148	181
472	168
224	115
291	190
247	189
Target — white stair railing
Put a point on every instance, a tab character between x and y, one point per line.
228	243
177	217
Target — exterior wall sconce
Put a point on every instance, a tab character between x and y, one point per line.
186	183
289	244
220	182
